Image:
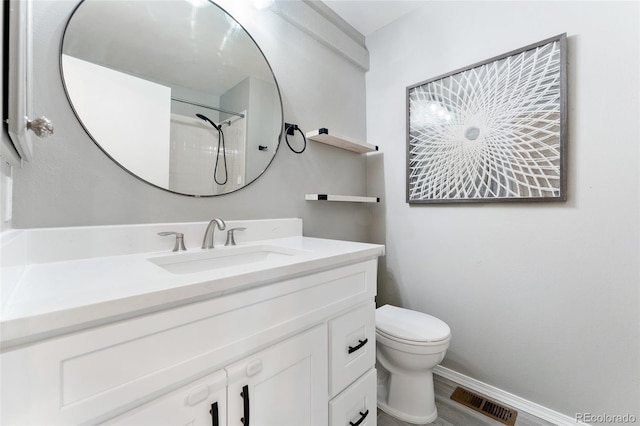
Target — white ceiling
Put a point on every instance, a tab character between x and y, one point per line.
368	16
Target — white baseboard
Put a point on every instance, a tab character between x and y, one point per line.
507	398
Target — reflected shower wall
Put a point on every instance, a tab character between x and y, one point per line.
134	133
193	152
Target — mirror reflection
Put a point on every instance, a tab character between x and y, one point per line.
174	91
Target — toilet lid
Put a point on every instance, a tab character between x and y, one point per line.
410	325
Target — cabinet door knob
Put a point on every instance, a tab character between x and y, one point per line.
42	126
215	420
361	343
245	398
361	419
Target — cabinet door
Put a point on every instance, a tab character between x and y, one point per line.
202	402
284	385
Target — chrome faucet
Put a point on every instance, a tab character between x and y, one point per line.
179	246
231	240
207	241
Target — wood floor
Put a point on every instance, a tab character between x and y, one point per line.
451	413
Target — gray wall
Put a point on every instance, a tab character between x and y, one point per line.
543	299
71	182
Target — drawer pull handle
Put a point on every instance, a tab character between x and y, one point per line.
245	397
214	414
361	419
352	349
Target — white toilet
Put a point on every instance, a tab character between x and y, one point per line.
408	345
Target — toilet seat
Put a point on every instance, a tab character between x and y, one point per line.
411	342
412	347
410	327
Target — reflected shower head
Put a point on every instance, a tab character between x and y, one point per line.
205	118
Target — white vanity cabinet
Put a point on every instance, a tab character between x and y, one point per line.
300	350
282	385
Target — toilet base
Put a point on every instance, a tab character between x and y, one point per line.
409	398
421	420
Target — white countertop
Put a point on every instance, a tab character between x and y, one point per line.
57	297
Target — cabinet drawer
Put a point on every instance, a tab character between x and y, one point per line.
357	404
352	346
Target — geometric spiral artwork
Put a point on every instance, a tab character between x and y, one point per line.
494	131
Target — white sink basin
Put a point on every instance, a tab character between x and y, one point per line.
223	257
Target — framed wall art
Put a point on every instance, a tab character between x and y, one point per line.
493	131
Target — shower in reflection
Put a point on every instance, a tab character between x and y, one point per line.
224	151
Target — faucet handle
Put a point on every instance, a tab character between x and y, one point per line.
231	241
179	246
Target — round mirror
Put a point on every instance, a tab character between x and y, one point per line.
176	92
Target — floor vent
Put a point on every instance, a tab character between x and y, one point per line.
485	406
